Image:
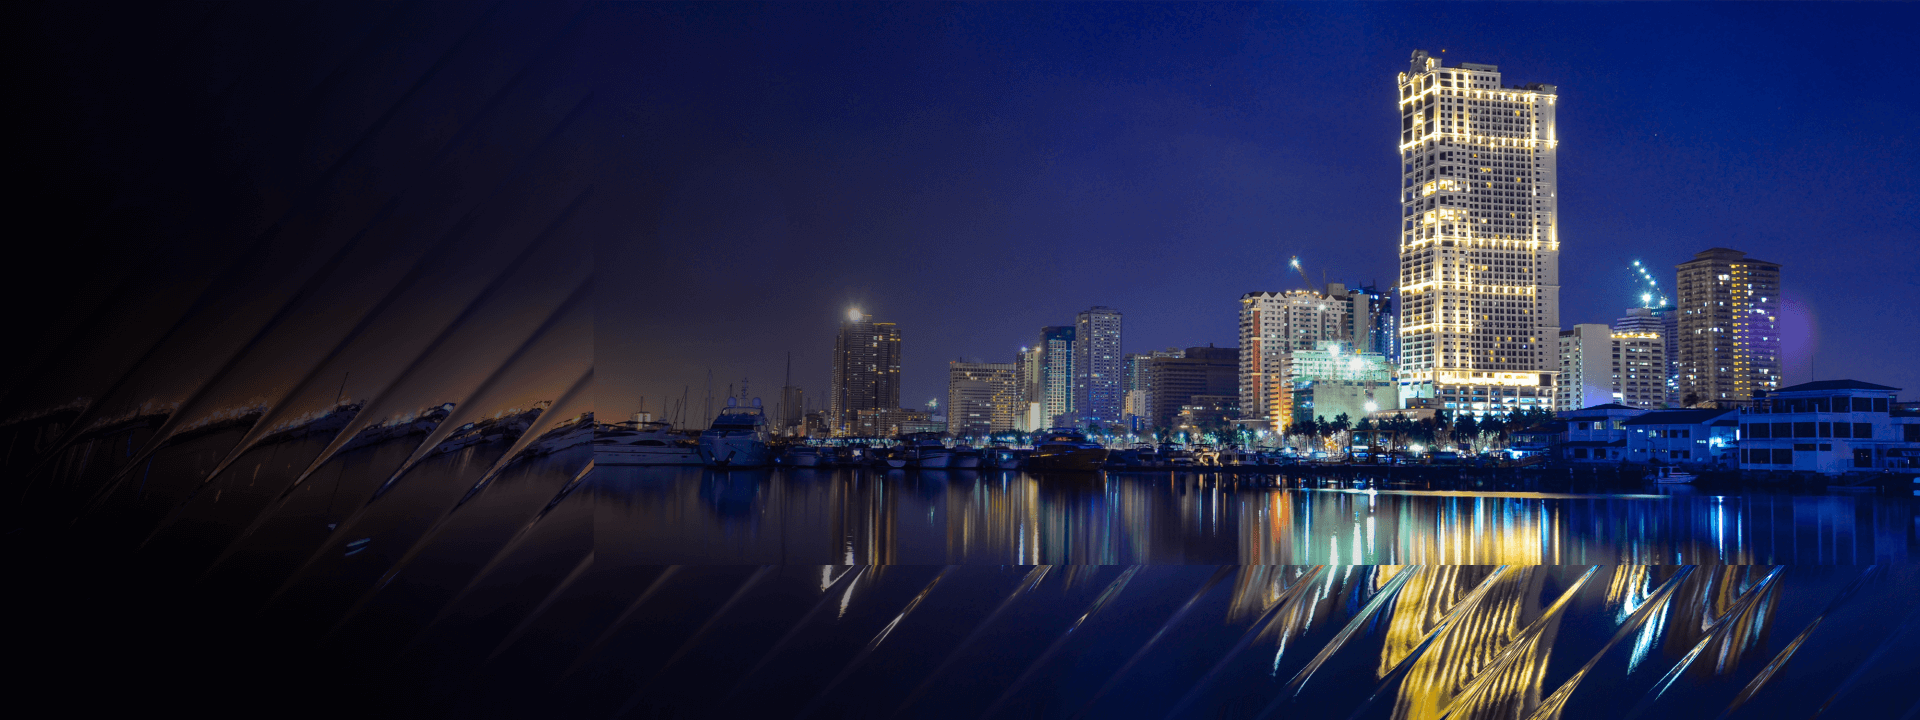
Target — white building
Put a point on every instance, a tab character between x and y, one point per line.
1274	324
1600	365
1829	427
1479	249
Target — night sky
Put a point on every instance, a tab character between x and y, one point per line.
976	172
742	175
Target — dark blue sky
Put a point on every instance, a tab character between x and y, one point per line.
976	172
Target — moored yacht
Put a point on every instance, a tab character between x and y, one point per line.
1066	449
642	443
738	437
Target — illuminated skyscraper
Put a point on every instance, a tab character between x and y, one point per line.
866	371
1097	367
1056	374
1479	250
1729	328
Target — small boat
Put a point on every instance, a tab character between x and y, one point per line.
805	456
1066	449
1173	456
1236	458
927	451
1001	457
1665	474
965	457
642	443
738	438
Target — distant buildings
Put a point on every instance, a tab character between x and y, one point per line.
1383	325
1200	377
1096	367
866	372
889	422
1665	321
1330	381
982	398
1600	365
1138	388
1274	324
1479	250
1728	328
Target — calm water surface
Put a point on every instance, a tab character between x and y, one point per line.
856	516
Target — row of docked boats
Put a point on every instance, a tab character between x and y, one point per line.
740	437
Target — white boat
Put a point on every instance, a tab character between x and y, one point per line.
1667	474
642	443
738	437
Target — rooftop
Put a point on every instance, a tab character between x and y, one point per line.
1828	385
1679	417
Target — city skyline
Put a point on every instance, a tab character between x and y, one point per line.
1211	154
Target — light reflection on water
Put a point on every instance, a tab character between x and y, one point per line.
852	516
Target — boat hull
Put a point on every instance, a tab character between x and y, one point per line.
742	451
618	455
1068	460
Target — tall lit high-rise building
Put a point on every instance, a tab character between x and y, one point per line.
866	371
1096	367
1729	328
1274	324
1479	250
1662	320
1056	374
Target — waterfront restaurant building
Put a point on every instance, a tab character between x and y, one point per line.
1829	427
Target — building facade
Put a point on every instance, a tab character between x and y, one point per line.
1097	367
1275	324
982	398
1829	427
1728	328
1600	365
866	371
1694	439
1175	381
1662	320
1479	246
